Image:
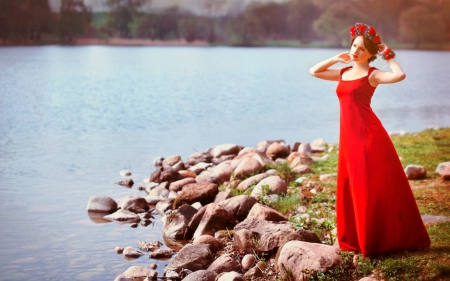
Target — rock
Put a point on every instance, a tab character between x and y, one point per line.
270	235
301	160
215	218
247	167
200	167
125	173
171	160
294	155
195	221
256	271
201	275
176	225
164	205
318	145
222	196
325	177
446	174
153	200
137	272
415	172
199	157
262	146
101	204
160	191
272	198
225	149
173	194
213	243
150	186
320	159
157	162
262	212
161	254
224	263
119	250
430	220
397	133
231	276
300	180
123	216
131	252
441	167
133	225
295	146
153	266
305	148
178	185
277	150
246	150
187	174
274	184
251	181
204	193
225	169
166	173
248	261
297	256
302	169
238	206
134	204
179	167
121	277
197	205
209	176
192	257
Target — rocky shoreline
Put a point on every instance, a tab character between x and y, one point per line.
218	223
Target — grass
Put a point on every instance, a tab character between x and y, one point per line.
427	148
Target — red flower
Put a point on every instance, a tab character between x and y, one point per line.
361	28
377	39
372	31
353	31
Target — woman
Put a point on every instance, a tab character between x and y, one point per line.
376	210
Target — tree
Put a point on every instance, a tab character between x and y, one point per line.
121	15
418	25
212	8
300	19
74	18
159	26
337	20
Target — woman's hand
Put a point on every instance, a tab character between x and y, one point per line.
344	58
381	49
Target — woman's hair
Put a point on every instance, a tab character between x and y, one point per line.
370	46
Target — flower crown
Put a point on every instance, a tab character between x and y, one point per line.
367	31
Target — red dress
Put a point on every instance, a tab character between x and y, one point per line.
376	209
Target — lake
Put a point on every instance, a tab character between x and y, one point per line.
73	117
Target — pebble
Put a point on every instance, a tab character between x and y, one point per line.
125	173
152	266
133	225
119	250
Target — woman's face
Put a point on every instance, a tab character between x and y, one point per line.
358	51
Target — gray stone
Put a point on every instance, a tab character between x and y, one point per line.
305	148
270	235
201	275
430	220
238	206
178	185
176	225
137	272
248	261
225	149
231	276
125	173
101	204
275	186
298	256
164	205
441	167
224	263
122	216
251	181
192	257
134	204
215	218
415	172
265	213
131	252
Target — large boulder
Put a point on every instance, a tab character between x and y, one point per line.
270	185
138	272
415	172
224	263
305	148
263	212
251	181
101	204
178	185
203	192
134	204
238	206
192	257
123	216
296	257
225	149
270	235
171	160
215	218
278	150
247	167
165	173
176	224
201	275
195	221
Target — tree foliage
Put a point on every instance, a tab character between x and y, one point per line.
121	15
74	18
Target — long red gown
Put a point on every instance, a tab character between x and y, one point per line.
376	210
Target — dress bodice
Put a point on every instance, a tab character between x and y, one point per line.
357	90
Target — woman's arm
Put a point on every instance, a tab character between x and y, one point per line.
322	70
383	77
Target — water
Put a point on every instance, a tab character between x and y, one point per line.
73	117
